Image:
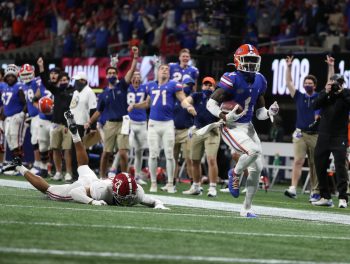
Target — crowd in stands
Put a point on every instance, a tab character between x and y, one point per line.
278	20
87	28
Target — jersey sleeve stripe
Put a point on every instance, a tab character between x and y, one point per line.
226	81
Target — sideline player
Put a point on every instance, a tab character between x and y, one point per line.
138	123
161	99
15	107
181	70
88	189
247	87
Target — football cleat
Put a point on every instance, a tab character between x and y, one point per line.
248	213
12	165
57	176
289	193
154	187
233	183
212	192
314	197
324	202
71	122
68	177
193	191
342	203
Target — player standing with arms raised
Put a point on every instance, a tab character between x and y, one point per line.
247	87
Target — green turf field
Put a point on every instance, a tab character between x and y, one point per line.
34	229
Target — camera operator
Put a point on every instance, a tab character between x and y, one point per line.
334	103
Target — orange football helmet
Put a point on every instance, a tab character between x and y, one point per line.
46	105
247	58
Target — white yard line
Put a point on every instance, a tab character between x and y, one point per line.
175	230
231	207
134	256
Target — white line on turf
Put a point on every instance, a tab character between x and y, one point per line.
133	256
176	230
222	206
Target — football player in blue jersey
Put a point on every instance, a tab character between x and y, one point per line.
161	99
137	93
30	87
246	86
179	71
15	109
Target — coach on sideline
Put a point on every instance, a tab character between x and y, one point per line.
334	102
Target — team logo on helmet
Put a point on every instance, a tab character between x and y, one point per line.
247	58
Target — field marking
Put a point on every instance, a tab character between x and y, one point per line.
176	230
168	213
133	256
331	217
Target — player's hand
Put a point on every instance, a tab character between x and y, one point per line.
233	116
130	108
160	206
330	61
135	51
289	60
273	109
100	202
191	110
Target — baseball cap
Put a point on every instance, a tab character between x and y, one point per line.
188	80
80	75
209	79
55	69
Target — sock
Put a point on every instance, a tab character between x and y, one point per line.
212	184
170	167
196	185
292	189
36	164
152	162
21	169
138	161
75	137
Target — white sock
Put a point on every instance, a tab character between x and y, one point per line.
21	169
170	168
37	163
152	162
75	137
212	184
138	161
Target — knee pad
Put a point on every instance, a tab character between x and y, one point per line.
153	153
44	156
35	146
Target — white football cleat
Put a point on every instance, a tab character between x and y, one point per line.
324	202
57	177
68	177
193	191
212	192
342	203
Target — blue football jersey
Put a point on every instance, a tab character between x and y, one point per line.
30	89
242	92
163	99
137	96
179	74
10	98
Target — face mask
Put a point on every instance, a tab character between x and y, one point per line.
79	86
309	89
112	79
187	90
207	93
63	85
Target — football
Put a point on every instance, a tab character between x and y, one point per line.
229	105
46	105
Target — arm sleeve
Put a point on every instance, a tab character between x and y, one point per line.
79	195
143	198
123	85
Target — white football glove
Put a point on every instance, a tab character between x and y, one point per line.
159	205
273	110
100	202
232	116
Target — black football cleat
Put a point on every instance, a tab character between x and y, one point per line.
72	126
12	165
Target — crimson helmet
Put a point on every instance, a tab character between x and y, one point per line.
247	58
26	73
124	189
46	105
